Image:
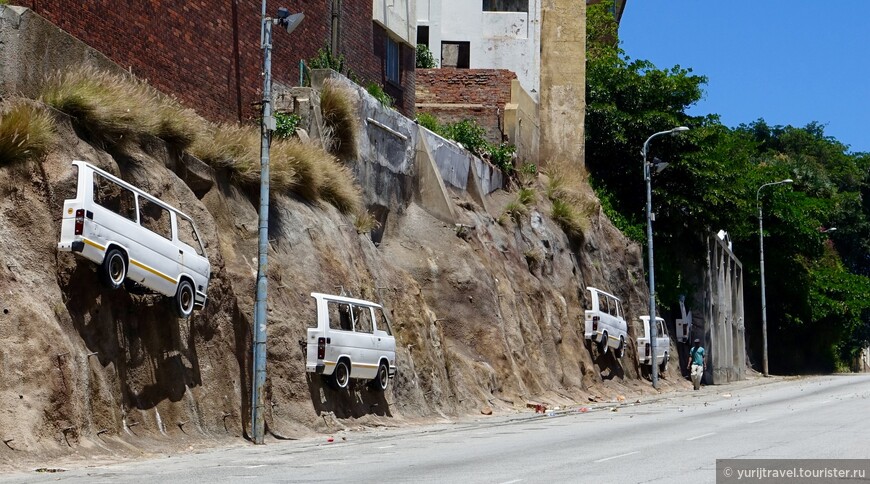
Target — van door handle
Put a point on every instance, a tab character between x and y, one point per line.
180	251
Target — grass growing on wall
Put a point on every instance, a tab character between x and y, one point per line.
340	116
117	110
26	131
564	187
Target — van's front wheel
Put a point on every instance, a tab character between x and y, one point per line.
382	378
113	270
184	298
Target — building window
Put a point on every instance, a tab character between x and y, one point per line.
392	62
423	35
456	54
505	5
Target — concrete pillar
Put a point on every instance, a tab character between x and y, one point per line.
563	80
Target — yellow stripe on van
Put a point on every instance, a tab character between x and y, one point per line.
153	271
134	262
93	244
332	363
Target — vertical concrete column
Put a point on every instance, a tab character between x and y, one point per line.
563	80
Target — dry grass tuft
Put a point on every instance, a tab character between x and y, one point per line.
116	109
307	161
340	116
365	222
340	189
233	148
572	206
26	131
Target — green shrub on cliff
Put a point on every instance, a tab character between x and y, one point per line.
25	131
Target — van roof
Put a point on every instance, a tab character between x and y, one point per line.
595	289
349	300
131	187
646	318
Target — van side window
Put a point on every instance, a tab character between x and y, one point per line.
363	319
604	304
187	235
155	218
383	324
339	316
661	329
68	187
114	197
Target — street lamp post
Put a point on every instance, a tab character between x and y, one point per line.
258	374
653	332
761	252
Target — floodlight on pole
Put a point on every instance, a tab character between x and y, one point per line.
761	252
649	219
258	374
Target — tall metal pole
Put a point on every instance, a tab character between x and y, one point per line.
653	329
763	298
258	375
761	252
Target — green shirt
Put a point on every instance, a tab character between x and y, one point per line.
698	356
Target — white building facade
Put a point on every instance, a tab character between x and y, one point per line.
484	34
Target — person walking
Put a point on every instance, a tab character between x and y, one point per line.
697	363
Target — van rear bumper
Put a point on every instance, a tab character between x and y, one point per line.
315	368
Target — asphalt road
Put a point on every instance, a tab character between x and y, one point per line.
673	439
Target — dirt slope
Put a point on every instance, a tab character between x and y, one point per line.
88	371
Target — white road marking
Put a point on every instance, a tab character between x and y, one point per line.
701	436
511	482
756	421
826	401
617	456
386	447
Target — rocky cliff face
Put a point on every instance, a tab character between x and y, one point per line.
478	321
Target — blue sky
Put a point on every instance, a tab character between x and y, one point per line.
787	61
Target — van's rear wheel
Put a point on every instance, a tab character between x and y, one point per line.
602	343
382	378
113	270
340	375
184	299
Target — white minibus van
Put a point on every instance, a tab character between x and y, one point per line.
137	240
605	323
663	344
351	338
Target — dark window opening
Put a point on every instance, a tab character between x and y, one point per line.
505	5
456	54
392	64
423	35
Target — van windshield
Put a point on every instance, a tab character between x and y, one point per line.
187	234
383	322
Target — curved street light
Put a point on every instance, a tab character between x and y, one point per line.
653	330
761	251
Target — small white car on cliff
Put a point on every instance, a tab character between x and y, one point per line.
605	323
351	338
663	344
137	239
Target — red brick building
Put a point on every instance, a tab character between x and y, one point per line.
207	52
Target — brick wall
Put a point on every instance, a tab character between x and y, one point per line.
207	52
455	94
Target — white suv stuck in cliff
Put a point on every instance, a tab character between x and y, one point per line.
663	344
137	239
351	339
605	323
